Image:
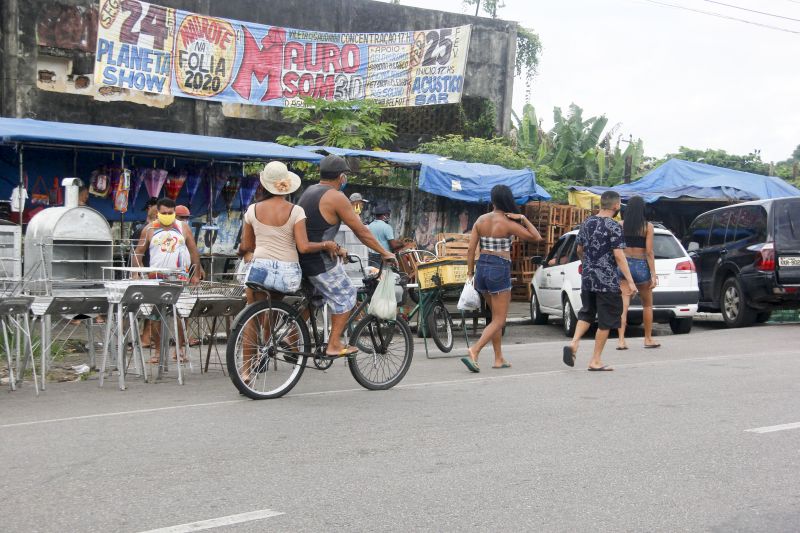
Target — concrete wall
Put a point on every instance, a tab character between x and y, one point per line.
65	45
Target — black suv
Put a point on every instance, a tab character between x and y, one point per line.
748	259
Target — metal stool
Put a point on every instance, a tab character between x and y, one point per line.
130	297
14	314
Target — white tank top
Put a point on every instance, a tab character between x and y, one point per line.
168	247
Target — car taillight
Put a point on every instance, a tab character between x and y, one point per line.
685	266
765	258
580	269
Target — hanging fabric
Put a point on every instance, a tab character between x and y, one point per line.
193	181
39	193
174	184
154	182
247	191
220	180
56	193
230	191
136	186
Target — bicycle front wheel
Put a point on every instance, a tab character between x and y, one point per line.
386	349
266	350
440	326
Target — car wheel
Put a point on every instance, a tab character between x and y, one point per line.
570	320
735	310
763	317
680	326
537	317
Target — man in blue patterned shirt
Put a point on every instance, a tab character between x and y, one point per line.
600	245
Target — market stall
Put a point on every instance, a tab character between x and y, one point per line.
678	191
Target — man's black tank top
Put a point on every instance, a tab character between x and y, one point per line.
318	230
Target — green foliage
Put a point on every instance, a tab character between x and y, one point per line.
529	48
344	124
483	125
490	7
720	158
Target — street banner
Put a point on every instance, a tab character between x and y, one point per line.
166	51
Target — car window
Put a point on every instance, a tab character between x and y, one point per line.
750	224
699	230
554	250
787	224
566	251
667	247
719	228
730	233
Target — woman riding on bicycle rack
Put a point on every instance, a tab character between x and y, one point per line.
274	230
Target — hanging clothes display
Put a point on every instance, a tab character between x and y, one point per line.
122	190
138	179
154	182
99	183
193	180
174	184
230	191
247	191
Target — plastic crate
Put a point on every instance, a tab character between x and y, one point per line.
446	272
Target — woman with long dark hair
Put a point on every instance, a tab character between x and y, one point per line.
492	278
638	233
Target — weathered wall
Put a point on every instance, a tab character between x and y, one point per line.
58	36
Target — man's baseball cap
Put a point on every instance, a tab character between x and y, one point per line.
182	211
333	163
381	210
356	197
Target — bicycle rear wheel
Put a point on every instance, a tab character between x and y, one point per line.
387	348
440	326
257	362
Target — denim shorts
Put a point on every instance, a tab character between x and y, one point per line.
337	289
640	270
493	274
278	276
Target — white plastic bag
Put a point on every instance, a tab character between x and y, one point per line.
470	300
384	302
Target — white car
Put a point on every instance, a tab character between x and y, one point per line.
556	286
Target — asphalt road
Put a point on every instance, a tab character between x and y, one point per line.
661	444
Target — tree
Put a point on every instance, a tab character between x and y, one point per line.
344	124
496	151
720	158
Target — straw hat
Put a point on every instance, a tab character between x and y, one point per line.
277	179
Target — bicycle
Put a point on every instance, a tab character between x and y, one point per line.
270	339
434	318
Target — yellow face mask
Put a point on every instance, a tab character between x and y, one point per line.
357	209
166	220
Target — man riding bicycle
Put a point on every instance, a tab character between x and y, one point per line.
326	207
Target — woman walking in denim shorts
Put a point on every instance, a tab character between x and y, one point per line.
492	277
638	234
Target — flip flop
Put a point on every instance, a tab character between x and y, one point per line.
344	352
505	364
569	357
154	360
622	347
194	342
472	365
604	368
652	346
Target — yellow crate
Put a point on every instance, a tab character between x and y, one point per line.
447	272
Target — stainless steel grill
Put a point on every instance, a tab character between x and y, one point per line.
67	247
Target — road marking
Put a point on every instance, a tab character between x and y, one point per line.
217	522
401	386
118	413
770	429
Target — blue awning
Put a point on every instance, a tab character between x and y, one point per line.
459	180
685	179
26	130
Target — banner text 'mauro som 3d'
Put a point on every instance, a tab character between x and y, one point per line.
146	47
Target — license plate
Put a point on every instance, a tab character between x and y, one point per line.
789	261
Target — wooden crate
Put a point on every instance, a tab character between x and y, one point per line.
521	293
458	248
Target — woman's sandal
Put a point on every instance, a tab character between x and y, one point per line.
471	365
344	352
505	364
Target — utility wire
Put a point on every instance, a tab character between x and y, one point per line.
720	15
752	10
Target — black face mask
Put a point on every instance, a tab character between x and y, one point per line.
616	212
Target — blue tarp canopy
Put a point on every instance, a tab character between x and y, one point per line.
14	130
684	179
458	180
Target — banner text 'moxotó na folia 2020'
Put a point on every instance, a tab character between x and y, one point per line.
146	47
